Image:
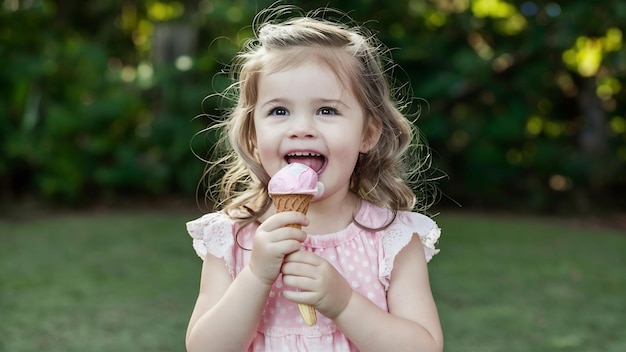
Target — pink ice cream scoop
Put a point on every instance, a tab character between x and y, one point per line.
295	179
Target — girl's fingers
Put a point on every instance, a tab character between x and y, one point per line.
288	233
297	281
303	257
304	297
298	269
289	246
279	235
284	219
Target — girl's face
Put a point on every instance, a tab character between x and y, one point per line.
305	114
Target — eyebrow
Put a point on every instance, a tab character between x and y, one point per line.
276	101
319	101
332	102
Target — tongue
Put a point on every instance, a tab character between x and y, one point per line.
313	162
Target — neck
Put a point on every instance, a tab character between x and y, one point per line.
332	214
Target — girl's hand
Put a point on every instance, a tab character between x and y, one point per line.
320	284
272	241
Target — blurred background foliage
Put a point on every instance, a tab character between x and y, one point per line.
526	107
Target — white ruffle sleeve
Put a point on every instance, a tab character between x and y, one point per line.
214	234
400	233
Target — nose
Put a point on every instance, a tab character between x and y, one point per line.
302	126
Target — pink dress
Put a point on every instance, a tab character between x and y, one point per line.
363	257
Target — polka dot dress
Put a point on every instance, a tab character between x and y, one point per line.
364	258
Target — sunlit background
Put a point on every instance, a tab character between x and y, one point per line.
102	104
522	102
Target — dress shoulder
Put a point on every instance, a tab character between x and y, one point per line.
213	234
425	227
399	234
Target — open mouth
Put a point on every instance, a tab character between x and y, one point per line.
315	161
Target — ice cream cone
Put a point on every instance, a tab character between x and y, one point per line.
292	189
292	202
299	203
308	314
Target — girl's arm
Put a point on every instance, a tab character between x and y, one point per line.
227	311
412	323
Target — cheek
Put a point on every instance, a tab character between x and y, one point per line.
347	152
257	134
262	150
267	154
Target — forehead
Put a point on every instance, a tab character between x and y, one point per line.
337	61
307	79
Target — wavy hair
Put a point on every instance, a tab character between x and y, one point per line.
390	175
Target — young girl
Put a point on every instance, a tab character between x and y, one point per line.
314	92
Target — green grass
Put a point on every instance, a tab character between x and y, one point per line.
128	283
96	283
527	285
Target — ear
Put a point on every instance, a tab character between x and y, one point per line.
371	134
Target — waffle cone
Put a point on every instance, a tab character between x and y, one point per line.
299	203
292	202
308	314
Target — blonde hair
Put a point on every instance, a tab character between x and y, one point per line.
383	176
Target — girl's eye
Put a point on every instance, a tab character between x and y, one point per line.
279	112
327	111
